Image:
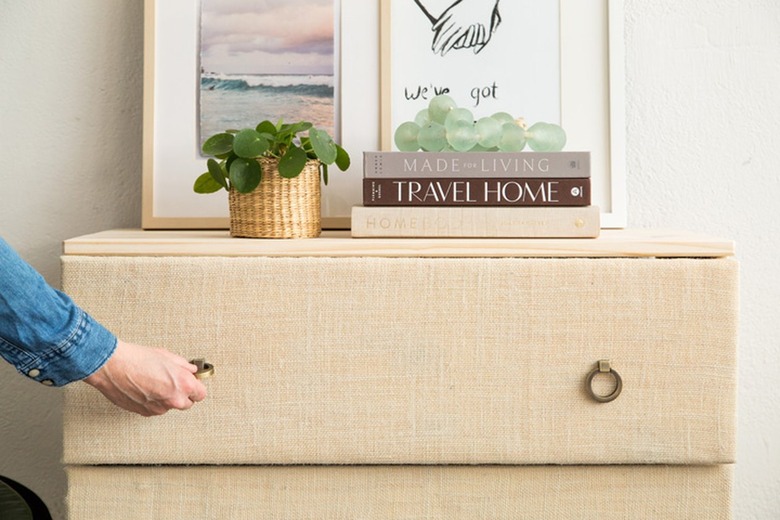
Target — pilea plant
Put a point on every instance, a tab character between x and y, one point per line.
235	153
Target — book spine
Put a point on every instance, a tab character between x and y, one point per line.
475	222
476	192
377	165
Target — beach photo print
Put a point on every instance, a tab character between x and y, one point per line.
267	60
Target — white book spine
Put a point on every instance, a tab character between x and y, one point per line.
475	222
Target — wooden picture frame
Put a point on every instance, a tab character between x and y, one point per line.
171	155
590	95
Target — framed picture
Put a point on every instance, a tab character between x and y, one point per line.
212	65
557	61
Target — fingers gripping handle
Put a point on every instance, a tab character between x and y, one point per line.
205	370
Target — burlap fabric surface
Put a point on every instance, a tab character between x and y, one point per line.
418	360
401	493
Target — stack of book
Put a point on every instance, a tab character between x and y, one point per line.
476	194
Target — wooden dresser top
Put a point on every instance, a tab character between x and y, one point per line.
611	243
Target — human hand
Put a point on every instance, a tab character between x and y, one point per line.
148	381
466	24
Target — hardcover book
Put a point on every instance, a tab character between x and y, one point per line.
476	192
476	164
475	222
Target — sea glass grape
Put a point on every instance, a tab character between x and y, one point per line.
512	138
546	137
488	132
503	117
406	137
456	116
445	127
462	135
432	137
478	148
440	106
423	117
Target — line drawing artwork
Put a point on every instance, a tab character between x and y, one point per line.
461	24
488	55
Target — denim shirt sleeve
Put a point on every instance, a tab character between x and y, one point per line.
46	336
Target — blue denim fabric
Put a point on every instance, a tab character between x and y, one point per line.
42	332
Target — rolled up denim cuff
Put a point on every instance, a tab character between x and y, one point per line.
81	354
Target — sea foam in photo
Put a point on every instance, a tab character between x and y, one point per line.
235	101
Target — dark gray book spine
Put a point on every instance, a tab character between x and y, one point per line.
476	192
379	165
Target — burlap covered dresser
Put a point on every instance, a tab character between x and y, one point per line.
414	379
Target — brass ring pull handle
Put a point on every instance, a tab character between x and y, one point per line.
603	367
205	370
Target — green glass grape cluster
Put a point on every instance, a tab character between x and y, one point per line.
444	127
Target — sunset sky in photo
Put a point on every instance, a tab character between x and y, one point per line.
267	36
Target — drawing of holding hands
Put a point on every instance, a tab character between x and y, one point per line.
461	24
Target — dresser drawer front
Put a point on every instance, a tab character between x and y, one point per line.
401	492
418	360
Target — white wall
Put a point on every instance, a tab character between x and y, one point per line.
703	109
70	163
703	115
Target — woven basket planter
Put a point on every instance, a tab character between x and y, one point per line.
278	207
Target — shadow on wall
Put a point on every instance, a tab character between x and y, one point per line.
19	503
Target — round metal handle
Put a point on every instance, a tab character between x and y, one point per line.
205	370
603	367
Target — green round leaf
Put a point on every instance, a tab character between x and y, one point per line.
266	127
323	145
249	144
342	159
216	171
206	184
294	128
245	174
218	144
324	172
292	162
232	157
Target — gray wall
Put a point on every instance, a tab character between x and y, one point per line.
703	114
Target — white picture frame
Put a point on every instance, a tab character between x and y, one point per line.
170	129
591	93
171	156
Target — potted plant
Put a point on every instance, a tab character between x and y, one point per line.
272	175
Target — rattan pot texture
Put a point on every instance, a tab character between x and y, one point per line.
279	207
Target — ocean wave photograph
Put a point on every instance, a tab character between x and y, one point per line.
259	63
